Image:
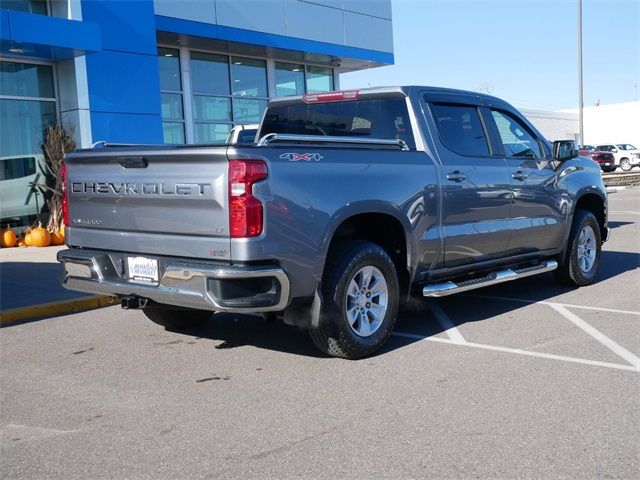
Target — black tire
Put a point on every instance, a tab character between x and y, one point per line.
625	164
570	272
174	318
335	336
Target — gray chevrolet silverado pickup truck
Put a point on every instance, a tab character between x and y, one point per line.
349	204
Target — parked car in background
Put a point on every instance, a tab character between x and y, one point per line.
242	134
606	160
18	200
588	148
626	155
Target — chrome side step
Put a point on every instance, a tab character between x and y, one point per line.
449	288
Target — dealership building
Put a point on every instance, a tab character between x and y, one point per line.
172	71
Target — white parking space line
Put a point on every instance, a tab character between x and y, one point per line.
598	335
625	212
542	302
518	351
446	323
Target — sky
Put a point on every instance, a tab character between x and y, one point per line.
524	51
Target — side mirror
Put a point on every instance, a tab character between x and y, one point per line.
564	150
615	150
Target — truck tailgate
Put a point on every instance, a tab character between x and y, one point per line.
150	201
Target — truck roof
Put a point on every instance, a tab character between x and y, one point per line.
404	90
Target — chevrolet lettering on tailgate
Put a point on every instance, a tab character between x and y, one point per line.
126	188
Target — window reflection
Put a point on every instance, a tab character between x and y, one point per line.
249	77
289	79
319	79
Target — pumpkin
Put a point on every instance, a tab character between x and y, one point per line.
27	239
8	238
57	238
40	237
20	243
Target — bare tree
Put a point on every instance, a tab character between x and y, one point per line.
58	140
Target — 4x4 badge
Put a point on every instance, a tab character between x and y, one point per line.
302	157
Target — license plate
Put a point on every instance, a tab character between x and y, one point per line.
141	268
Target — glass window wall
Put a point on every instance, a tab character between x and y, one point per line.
28	6
173	124
27	108
319	79
222	91
289	79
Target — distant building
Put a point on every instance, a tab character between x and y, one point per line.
554	125
614	123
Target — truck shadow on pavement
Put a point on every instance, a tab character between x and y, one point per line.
235	330
26	284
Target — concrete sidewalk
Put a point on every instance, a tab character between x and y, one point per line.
30	286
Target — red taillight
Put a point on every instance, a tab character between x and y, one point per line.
245	210
331	96
63	187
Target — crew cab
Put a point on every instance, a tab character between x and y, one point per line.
348	205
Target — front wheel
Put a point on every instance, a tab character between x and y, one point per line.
582	258
360	300
173	318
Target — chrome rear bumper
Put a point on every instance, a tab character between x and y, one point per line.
182	283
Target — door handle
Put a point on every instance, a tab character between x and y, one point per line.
456	176
519	175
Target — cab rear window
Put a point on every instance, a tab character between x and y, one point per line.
385	118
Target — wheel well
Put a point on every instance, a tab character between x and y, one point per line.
595	205
383	230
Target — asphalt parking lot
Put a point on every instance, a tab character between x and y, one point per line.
526	379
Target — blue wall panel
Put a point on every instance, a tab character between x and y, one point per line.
124	83
126	127
127	26
5	31
44	37
52	31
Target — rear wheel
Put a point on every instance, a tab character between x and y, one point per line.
625	164
582	258
360	300
173	318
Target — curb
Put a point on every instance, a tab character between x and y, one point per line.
42	310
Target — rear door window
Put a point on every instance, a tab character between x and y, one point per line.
461	129
385	118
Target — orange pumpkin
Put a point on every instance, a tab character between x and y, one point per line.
8	238
40	237
57	238
21	243
27	239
